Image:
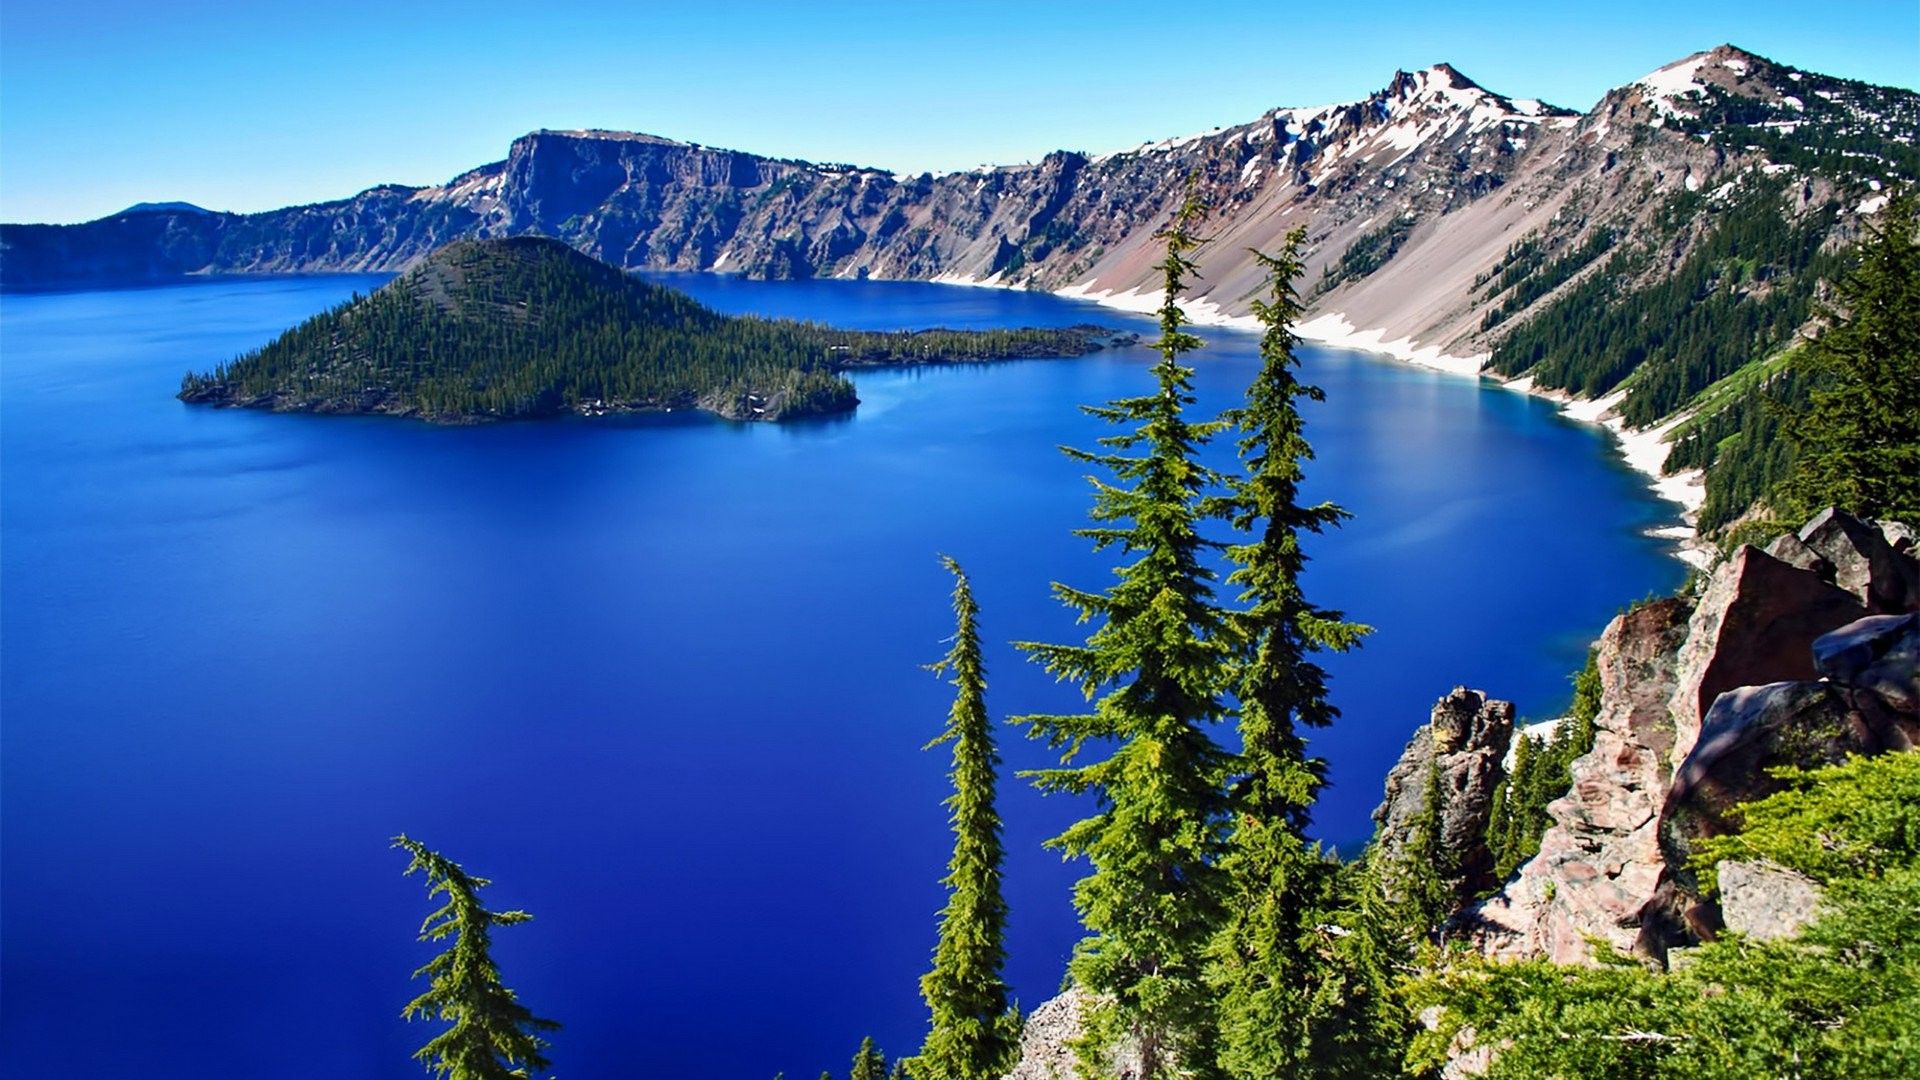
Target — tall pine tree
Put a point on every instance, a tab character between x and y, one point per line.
493	1036
1154	669
1267	965
868	1062
973	1032
1859	442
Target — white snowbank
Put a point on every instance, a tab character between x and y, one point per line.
1334	329
1667	85
1542	731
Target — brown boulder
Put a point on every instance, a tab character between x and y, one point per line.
1755	624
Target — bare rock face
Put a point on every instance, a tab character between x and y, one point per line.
1765	901
1046	1044
1600	865
1862	558
1778	663
1868	704
1463	743
1879	654
1752	729
1755	624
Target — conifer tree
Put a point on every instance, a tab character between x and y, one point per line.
972	1032
1154	668
1265	967
868	1062
1859	442
1420	883
493	1036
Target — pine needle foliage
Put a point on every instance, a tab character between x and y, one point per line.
1840	1000
868	1062
1267	966
493	1036
1859	441
1154	669
1542	772
973	1032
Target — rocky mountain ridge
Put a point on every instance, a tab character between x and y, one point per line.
1433	176
1447	224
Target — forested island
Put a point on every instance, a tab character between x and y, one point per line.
528	327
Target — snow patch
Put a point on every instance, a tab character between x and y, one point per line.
1541	732
1334	329
1677	80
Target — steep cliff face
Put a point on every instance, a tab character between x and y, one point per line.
1772	664
1413	200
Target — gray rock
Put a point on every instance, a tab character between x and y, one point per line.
1788	548
1879	654
1766	901
1863	561
1901	537
1749	729
1046	1044
1466	737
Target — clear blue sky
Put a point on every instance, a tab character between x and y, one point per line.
248	106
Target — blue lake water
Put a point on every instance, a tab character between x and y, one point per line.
659	678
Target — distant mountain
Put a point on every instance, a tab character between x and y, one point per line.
527	327
1449	220
163	208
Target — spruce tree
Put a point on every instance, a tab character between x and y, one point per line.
1154	670
868	1062
1859	442
972	1032
1266	967
493	1036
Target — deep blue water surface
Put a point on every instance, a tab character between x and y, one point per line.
658	678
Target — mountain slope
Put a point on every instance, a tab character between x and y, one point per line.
527	326
1693	211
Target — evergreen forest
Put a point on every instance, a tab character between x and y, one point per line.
527	327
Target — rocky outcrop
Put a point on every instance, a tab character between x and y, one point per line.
1765	901
1879	654
1755	623
1046	1044
1462	745
1776	663
1868	703
1857	556
1600	864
